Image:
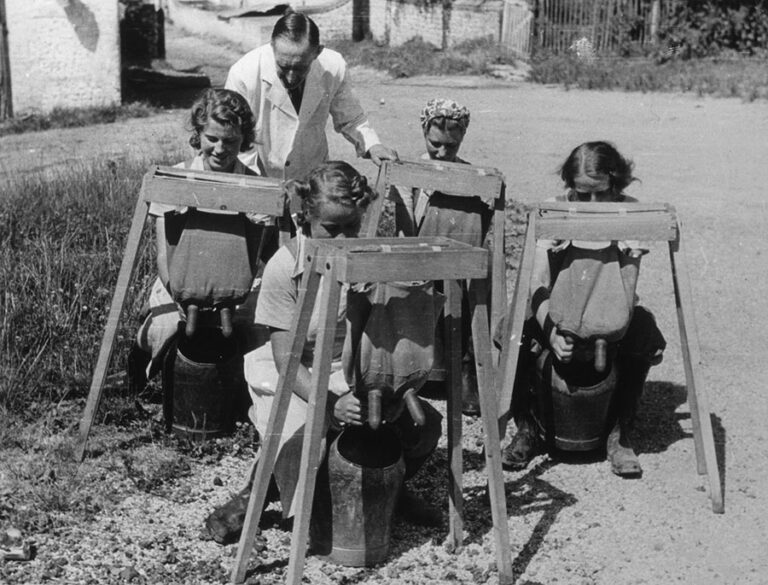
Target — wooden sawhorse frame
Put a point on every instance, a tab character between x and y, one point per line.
619	221
457	180
178	187
381	260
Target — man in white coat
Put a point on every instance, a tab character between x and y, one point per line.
292	85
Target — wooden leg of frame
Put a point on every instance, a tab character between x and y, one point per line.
488	408
498	267
514	325
314	429
704	441
130	256
452	359
276	423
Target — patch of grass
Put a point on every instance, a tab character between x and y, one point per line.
62	236
72	117
727	76
417	57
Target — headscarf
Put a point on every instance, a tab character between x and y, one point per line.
444	108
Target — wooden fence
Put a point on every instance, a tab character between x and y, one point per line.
516	27
606	24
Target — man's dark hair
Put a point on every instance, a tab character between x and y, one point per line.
296	27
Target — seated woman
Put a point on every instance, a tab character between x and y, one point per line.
467	219
593	172
222	126
334	198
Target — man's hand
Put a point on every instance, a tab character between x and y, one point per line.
379	152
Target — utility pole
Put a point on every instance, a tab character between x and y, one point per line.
6	103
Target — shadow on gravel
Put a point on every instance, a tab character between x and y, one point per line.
660	425
658	421
531	495
528	494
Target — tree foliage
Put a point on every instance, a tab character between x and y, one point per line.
698	28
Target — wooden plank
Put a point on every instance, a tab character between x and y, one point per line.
247	195
452	359
372	216
650	225
276	423
397	259
514	323
704	441
314	428
580	208
393	267
363	245
127	266
481	340
498	265
161	171
6	97
449	178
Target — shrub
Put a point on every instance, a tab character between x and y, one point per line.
698	28
417	57
721	77
73	117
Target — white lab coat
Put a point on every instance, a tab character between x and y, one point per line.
291	145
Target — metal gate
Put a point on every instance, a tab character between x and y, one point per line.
605	24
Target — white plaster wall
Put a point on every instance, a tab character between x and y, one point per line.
335	23
474	20
63	53
398	21
408	21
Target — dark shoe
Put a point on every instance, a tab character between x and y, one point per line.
624	461
470	396
524	446
417	511
225	523
136	370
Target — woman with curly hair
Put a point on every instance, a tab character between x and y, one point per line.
221	125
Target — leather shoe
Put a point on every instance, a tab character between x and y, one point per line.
524	446
624	460
225	523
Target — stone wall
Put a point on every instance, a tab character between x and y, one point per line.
443	24
63	53
336	23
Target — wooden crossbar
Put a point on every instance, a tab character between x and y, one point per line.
210	190
389	260
449	178
606	221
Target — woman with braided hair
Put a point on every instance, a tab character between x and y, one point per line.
333	198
